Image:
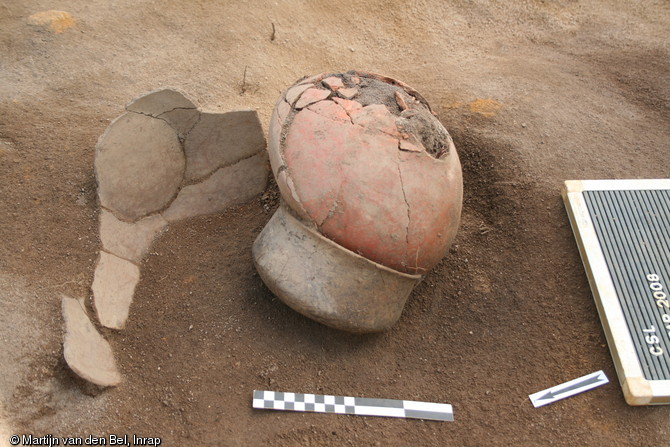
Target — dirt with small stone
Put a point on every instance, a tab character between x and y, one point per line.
532	92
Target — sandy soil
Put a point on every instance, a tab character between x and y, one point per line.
534	93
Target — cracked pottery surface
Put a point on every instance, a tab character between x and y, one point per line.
85	350
139	164
362	159
378	174
161	161
237	131
129	241
113	289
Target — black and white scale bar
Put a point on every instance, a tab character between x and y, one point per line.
359	406
568	389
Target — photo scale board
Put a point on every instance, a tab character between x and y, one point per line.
622	228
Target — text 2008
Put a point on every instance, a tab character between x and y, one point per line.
658	293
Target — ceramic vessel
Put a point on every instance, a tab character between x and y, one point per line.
362	162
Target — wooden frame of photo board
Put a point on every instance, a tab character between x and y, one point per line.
622	228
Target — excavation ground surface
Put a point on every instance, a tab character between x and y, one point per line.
533	93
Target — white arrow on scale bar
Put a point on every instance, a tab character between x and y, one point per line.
568	389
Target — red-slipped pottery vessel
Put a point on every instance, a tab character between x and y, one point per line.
361	162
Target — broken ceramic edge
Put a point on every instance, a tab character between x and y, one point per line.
310	79
405	145
85	351
113	287
124	186
357	74
283	111
294	92
348	93
219	140
353	293
400	101
160	101
333	82
392	81
349	105
274	141
406	142
229	185
331	110
376	117
278	165
182	120
130	241
276	133
311	96
442	158
289	193
322	91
